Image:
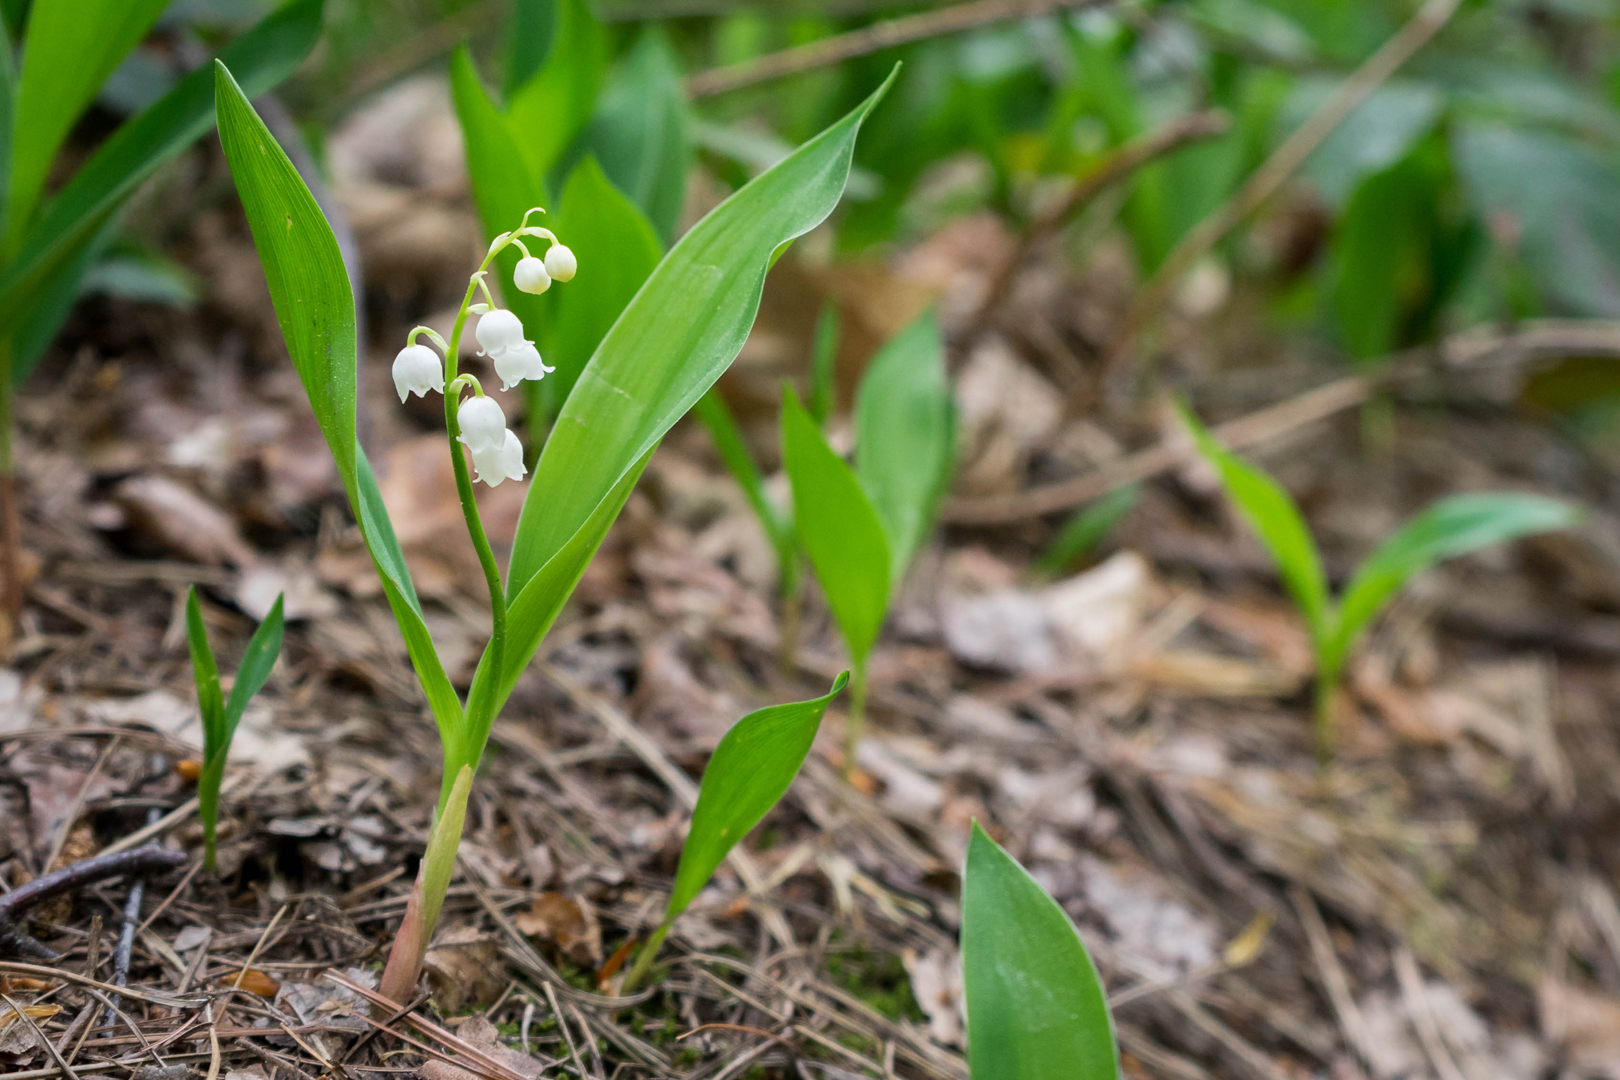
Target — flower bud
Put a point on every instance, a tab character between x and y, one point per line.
523	362
503	463
482	423
498	331
560	263
416	371
530	276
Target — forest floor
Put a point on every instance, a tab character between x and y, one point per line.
1438	901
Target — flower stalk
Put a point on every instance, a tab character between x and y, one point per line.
475	427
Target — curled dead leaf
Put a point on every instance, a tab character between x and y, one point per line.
464	969
566	922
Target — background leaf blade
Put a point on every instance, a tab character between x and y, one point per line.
904	437
840	531
70	48
682	329
1276	520
749	772
1035	1006
1453	526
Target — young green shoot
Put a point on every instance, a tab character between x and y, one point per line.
1088	527
777	522
1453	526
1035	1006
673	338
220	715
748	774
861	526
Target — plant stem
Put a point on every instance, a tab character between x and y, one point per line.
208	809
857	716
427	898
464	488
645	957
11	591
1327	689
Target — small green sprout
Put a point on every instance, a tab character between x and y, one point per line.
861	526
1087	528
1453	526
748	774
219	714
1035	1006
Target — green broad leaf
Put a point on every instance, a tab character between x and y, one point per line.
70	48
1035	1006
1086	529
529	33
504	187
1382	131
682	329
1383	255
824	364
532	610
839	529
1276	520
1559	193
711	410
552	107
1453	526
51	255
748	774
905	437
210	700
639	132
8	99
314	304
257	662
617	250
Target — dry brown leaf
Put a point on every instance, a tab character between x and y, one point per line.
464	969
178	519
253	981
565	922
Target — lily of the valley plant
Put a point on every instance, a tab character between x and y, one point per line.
668	346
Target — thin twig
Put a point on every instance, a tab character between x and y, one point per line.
39	971
1124	161
1470	349
126	932
72	814
70	878
1416	995
870	39
1334	982
1264	182
562	1025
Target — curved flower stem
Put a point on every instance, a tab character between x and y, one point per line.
469	506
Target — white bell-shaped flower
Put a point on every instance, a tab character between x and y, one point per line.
530	276
498	331
523	362
505	462
483	425
416	371
560	263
